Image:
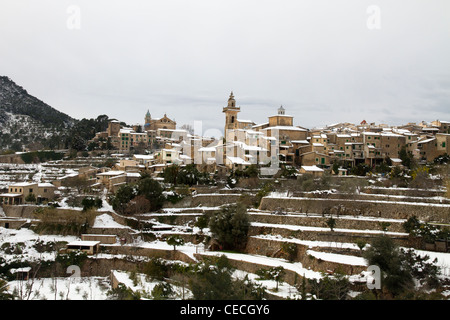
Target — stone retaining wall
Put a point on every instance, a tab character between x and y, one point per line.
290	276
214	200
272	248
333	236
318	221
20	211
426	212
149	252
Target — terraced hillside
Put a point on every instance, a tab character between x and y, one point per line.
302	221
288	230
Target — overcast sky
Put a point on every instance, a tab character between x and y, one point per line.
324	61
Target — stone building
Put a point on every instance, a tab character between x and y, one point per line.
154	124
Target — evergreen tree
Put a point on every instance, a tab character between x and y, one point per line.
230	226
152	191
384	253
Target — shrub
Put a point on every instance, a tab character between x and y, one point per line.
175	241
290	249
162	291
330	287
30	198
89	203
230	226
331	223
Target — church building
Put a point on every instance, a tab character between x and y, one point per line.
158	123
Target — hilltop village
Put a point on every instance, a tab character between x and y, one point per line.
278	141
278	210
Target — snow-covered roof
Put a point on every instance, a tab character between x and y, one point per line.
253	132
312	168
45	185
83	243
133	174
143	156
260	125
126	131
343	136
247	147
237	160
22	184
23	269
368	133
280	115
426	141
111	173
390	134
284	128
11	195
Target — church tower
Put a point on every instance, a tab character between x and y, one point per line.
231	112
148	119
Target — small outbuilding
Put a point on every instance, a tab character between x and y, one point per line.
21	273
90	247
314	170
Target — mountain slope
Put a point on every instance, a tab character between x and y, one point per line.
27	122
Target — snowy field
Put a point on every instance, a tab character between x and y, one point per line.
70	288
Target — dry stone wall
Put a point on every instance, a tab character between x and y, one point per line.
385	209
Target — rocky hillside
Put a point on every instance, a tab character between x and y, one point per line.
27	122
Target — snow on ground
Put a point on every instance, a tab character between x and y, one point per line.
317	215
70	288
107	221
188	248
28	239
140	282
443	259
24	235
393	196
269	262
338	258
309	243
175	210
363	201
322	229
285	290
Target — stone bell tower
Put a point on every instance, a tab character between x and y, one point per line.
231	112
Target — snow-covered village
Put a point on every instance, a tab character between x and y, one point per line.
104	223
167	167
